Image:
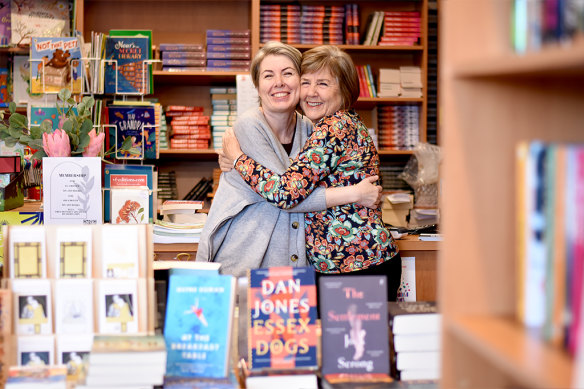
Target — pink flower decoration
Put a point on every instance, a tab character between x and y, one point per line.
57	144
95	143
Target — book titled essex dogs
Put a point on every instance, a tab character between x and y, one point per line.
282	330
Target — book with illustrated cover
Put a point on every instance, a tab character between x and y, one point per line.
21	93
39	114
282	327
125	69
139	33
120	254
198	325
118	306
73	352
27	255
55	63
130	199
38	18
74	252
33	307
138	122
354	327
5	33
35	351
131	175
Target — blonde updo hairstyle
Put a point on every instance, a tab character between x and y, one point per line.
273	48
340	65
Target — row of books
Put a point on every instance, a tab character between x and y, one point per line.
398	126
538	23
550	258
309	24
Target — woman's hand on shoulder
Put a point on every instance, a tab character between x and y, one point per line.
230	151
369	193
225	164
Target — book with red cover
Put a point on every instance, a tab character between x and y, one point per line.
282	319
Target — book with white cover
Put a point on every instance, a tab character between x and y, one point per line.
36	350
27	254
117	306
119	251
419	374
32	307
418	360
130	205
74	306
417	342
414	317
304	381
74	251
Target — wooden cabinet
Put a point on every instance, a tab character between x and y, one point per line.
491	98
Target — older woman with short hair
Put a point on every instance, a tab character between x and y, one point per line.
347	239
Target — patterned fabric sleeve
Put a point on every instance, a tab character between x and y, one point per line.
319	156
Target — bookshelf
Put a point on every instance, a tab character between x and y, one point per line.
187	21
492	98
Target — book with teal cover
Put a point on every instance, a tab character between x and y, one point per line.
40	114
125	172
198	325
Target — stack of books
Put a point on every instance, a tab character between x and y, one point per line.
400	28
132	361
228	49
179	57
231	50
410	81
189	127
280	22
167	189
224	103
36	377
389	83
399	126
352	23
322	24
181	211
415	342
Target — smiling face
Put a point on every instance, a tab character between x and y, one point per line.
278	86
320	94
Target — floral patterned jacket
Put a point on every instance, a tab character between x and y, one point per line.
339	152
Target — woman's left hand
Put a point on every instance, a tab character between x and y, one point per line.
231	149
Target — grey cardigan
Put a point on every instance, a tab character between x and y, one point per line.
244	231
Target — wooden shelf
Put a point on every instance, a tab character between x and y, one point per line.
195	154
363	47
508	346
202	77
552	61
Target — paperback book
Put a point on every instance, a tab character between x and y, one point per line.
198	325
137	176
126	71
354	327
282	326
55	63
137	122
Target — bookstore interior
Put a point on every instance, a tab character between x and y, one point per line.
472	111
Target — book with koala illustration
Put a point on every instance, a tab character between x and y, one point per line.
55	63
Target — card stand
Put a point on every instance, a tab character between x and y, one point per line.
146	64
43	82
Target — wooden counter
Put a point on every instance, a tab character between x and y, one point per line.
426	254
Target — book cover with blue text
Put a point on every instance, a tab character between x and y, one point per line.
55	63
138	122
198	325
